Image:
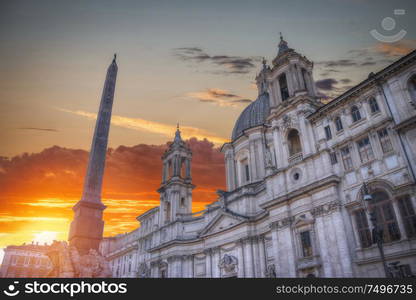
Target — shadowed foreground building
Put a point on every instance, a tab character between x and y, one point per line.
295	170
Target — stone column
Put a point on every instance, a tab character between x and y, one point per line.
277	141
275	245
240	254
323	246
342	242
208	261
262	256
216	252
285	256
253	170
256	256
305	136
262	163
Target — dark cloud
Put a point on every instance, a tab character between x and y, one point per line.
326	84
243	101
216	93
218	97
338	63
231	64
36	128
345	80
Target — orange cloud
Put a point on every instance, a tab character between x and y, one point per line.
400	48
154	127
32	201
218	97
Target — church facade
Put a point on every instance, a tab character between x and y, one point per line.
296	172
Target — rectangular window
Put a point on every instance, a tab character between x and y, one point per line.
365	150
334	159
305	239
346	158
362	228
338	124
328	133
385	142
374	106
408	215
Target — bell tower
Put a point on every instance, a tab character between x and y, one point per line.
291	76
176	187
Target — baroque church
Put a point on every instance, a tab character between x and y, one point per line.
297	171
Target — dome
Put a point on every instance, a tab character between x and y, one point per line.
253	115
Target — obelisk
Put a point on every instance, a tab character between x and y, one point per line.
87	226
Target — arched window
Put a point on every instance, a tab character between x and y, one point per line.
294	142
373	105
411	85
284	91
245	170
381	204
355	114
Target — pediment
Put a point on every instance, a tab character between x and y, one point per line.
221	222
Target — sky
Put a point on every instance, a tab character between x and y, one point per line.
186	62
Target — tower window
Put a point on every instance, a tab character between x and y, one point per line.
167	212
374	105
355	114
328	133
284	91
182	202
305	239
338	124
294	142
247	172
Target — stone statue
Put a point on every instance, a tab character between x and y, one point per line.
144	271
228	264
68	263
271	271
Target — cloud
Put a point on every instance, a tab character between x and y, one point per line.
32	201
230	64
400	48
345	80
154	127
338	63
36	128
326	84
218	97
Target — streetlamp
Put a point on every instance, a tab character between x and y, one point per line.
377	230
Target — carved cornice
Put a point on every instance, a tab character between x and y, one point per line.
326	208
285	222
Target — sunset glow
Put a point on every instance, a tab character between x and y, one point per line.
189	64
